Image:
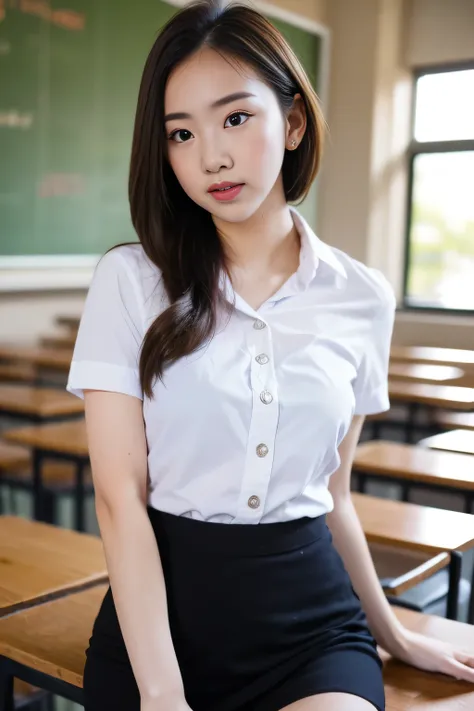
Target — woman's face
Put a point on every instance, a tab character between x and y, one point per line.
229	129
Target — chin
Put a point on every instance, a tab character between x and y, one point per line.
235	211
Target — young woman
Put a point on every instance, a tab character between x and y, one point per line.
227	362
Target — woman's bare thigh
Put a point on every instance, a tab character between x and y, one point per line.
331	702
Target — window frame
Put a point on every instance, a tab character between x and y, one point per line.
416	148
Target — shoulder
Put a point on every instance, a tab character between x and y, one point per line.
366	285
127	259
127	268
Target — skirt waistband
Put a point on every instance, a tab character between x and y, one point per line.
235	539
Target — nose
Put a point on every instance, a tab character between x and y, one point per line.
214	157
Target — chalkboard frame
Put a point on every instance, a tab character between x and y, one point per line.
26	273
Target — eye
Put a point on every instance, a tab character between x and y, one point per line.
174	134
236	115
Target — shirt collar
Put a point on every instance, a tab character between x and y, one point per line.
313	251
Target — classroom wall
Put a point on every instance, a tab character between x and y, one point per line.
440	31
362	201
314	9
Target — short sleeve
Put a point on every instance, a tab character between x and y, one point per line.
107	350
371	383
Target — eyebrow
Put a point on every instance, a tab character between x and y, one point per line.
220	102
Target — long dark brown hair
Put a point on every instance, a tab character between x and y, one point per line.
178	235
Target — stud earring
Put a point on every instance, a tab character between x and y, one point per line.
293	143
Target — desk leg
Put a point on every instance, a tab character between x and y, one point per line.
470	612
454	581
361	483
38	492
6	686
411	422
79	496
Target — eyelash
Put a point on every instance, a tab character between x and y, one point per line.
236	113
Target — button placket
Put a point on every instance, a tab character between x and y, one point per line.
263	426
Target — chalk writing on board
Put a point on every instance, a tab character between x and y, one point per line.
15	119
61	184
67	19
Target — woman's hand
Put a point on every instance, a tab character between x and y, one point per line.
174	701
434	655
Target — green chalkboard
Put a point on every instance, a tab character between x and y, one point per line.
69	80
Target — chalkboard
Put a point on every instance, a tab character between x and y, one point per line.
69	80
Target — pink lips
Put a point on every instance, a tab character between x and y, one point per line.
225	191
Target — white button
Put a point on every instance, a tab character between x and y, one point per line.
262	359
262	450
258	325
254	502
266	397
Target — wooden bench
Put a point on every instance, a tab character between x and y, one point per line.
420	373
47	645
40	562
65	442
420	529
454	357
461	441
411	465
400	571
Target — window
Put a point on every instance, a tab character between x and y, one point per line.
439	267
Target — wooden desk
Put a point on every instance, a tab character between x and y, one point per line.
66	441
460	441
443	396
417	372
412	464
22	373
48	358
39	562
410	689
417	528
417	395
60	342
455	420
13	458
420	529
38	404
454	357
70	322
48	645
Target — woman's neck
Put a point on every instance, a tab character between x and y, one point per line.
264	243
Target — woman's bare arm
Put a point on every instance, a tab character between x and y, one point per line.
118	453
350	542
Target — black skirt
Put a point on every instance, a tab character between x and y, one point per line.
261	616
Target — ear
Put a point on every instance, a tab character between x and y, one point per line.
295	123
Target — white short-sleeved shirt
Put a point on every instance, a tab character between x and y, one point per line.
247	429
